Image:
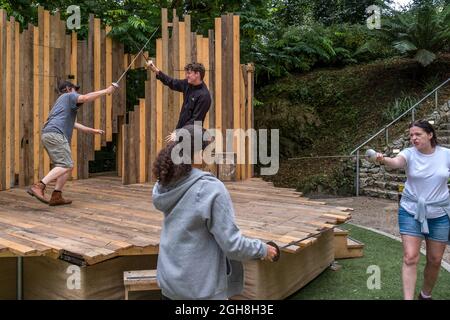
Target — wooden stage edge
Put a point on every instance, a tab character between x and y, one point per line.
108	219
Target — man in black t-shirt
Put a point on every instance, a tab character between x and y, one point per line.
196	96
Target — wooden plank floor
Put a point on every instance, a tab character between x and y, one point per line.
108	219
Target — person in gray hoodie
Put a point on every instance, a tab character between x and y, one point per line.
201	248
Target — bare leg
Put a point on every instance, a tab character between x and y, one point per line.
435	251
54	174
411	250
61	181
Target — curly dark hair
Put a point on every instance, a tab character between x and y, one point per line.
164	170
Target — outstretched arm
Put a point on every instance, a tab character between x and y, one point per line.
82	128
95	95
396	163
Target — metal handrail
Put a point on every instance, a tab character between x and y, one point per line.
399	117
385	129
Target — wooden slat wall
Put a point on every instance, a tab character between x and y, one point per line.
230	85
32	63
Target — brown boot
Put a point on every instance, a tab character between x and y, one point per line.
37	190
58	200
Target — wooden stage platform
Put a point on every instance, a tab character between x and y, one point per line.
108	220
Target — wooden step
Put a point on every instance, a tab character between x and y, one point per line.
345	246
139	280
354	244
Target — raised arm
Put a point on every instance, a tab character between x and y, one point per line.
174	84
89	97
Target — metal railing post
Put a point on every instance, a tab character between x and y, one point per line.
412	115
436	98
357	173
387	135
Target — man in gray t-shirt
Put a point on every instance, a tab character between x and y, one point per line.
56	138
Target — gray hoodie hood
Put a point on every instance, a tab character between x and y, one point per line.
166	197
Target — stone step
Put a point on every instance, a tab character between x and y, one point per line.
440	132
397	177
380	193
443	127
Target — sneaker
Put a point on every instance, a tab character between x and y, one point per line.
421	297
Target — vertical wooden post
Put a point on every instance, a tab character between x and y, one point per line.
159	100
165	68
236	90
74	71
7	91
119	153
102	86
227	78
153	122
205	61
36	103
3	105
188	46
212	81
242	103
142	141
218	80
175	44
108	83
124	154
46	84
250	124
26	107
182	56
97	77
17	117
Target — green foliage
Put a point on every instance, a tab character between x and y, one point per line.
302	48
331	12
327	12
420	33
431	83
340	181
399	106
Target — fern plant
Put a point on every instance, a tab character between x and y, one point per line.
420	33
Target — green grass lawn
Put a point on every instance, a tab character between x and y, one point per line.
350	281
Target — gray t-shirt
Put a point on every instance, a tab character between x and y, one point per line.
63	114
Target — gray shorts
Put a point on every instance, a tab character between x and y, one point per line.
58	149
